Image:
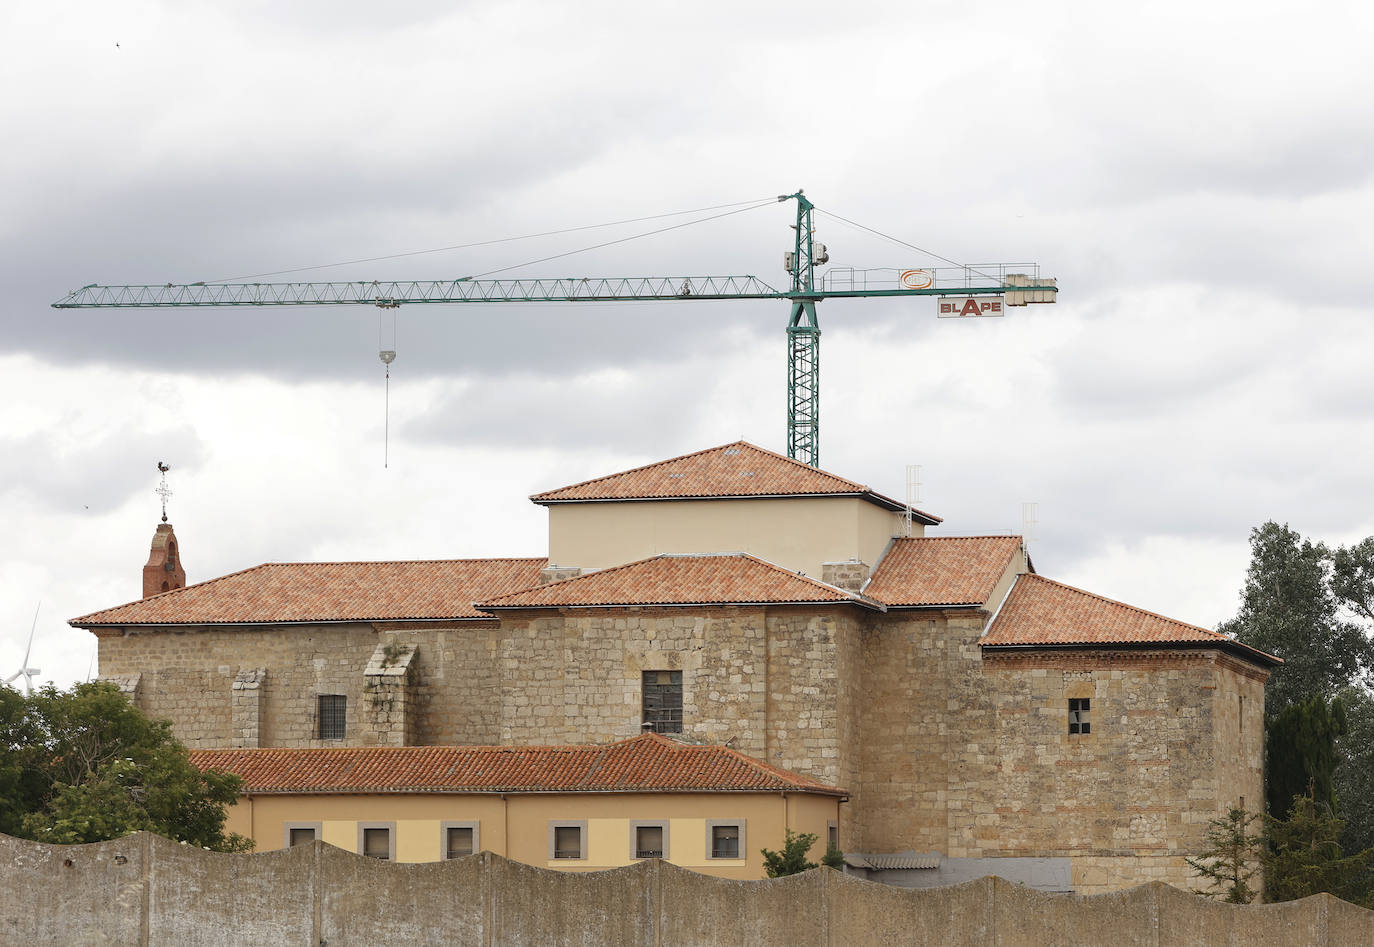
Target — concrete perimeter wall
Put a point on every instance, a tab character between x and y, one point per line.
143	889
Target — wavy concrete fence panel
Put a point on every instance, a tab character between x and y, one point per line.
146	890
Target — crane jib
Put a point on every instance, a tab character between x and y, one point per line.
997	286
316	294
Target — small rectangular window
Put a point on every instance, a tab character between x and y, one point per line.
457	841
662	701
832	836
567	842
377	843
1078	715
298	833
649	841
332	712
726	839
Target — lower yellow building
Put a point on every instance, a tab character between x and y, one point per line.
574	808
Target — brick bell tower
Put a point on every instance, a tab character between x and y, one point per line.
163	571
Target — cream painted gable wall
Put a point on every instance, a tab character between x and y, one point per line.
797	533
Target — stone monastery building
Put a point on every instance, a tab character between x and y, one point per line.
816	662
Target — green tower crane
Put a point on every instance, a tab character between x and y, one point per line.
986	290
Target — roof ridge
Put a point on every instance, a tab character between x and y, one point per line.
390	562
1135	608
969	536
621	473
845	595
859	487
571	578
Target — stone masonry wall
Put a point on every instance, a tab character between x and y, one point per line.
969	754
188	678
905	737
1140	788
144	890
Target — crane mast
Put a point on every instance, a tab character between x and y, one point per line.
996	282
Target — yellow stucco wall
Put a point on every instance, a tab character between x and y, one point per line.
798	533
517	826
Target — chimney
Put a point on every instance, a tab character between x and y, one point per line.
849	576
553	573
163	571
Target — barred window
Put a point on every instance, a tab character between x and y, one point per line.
566	839
648	841
663	701
725	838
1078	715
332	712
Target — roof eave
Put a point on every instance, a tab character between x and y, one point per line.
219	623
926	519
1234	648
512	791
868	603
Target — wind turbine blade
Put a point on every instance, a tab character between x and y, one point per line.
29	647
10	679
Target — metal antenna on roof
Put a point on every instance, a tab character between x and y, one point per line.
1030	520
913	496
387	355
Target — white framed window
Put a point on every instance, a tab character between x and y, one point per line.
725	838
300	833
460	838
377	840
648	839
567	840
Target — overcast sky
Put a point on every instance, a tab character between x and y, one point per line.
1196	175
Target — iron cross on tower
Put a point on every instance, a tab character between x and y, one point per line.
163	490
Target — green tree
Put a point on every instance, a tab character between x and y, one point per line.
833	858
1288	609
1352	577
792	859
1233	856
1304	856
1354	777
1300	751
85	765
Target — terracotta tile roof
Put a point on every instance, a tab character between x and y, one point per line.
731	470
1040	611
330	591
706	579
943	570
646	763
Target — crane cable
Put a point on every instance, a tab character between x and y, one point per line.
611	243
910	246
387	355
486	243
